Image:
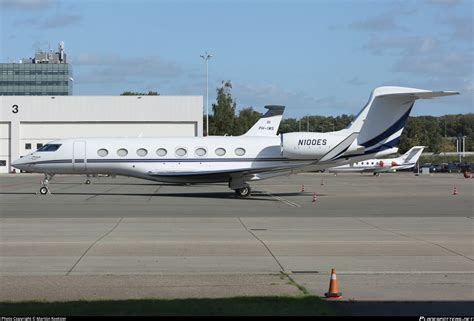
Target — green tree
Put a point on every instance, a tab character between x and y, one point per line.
421	130
247	118
223	120
289	125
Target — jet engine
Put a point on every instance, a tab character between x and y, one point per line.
305	145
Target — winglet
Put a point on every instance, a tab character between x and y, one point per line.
268	124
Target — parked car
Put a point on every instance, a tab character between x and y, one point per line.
436	168
427	165
449	168
465	167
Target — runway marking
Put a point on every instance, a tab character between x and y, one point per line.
263	243
92	245
154	193
383	272
101	194
281	199
414	238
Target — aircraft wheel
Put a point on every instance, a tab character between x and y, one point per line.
88	182
43	190
244	191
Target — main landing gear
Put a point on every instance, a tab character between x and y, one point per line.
44	189
244	191
241	188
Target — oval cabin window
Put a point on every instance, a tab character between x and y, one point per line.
200	152
102	152
161	152
142	152
220	151
239	151
122	152
181	152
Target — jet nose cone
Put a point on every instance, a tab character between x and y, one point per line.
19	163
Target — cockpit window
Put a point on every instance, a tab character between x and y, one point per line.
49	148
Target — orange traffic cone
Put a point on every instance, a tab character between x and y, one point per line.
455	192
302	188
333	292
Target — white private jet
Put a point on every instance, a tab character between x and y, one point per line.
258	154
377	166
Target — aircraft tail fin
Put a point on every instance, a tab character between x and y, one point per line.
268	124
412	156
380	123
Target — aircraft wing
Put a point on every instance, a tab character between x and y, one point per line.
225	172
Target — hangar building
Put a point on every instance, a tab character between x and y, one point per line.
28	122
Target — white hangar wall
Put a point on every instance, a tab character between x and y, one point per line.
27	122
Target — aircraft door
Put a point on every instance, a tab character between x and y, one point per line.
79	156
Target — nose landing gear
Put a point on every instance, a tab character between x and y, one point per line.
44	189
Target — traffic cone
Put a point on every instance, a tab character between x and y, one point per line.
455	192
322	182
302	188
314	198
333	292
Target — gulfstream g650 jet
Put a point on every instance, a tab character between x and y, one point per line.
258	154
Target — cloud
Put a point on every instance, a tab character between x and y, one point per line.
385	21
445	2
401	45
27	4
53	22
112	68
355	81
461	26
298	103
453	63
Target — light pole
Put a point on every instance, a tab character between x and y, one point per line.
206	57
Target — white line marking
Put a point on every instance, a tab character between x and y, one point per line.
383	272
281	199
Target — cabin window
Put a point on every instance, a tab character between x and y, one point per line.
102	152
28	146
3	162
38	146
142	152
200	151
181	152
161	152
239	151
220	151
122	152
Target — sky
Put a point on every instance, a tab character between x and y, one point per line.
317	57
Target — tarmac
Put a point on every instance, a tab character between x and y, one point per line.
393	238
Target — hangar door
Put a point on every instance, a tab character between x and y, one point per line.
4	147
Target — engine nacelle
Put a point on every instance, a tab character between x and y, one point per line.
306	145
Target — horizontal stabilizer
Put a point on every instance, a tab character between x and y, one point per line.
423	94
